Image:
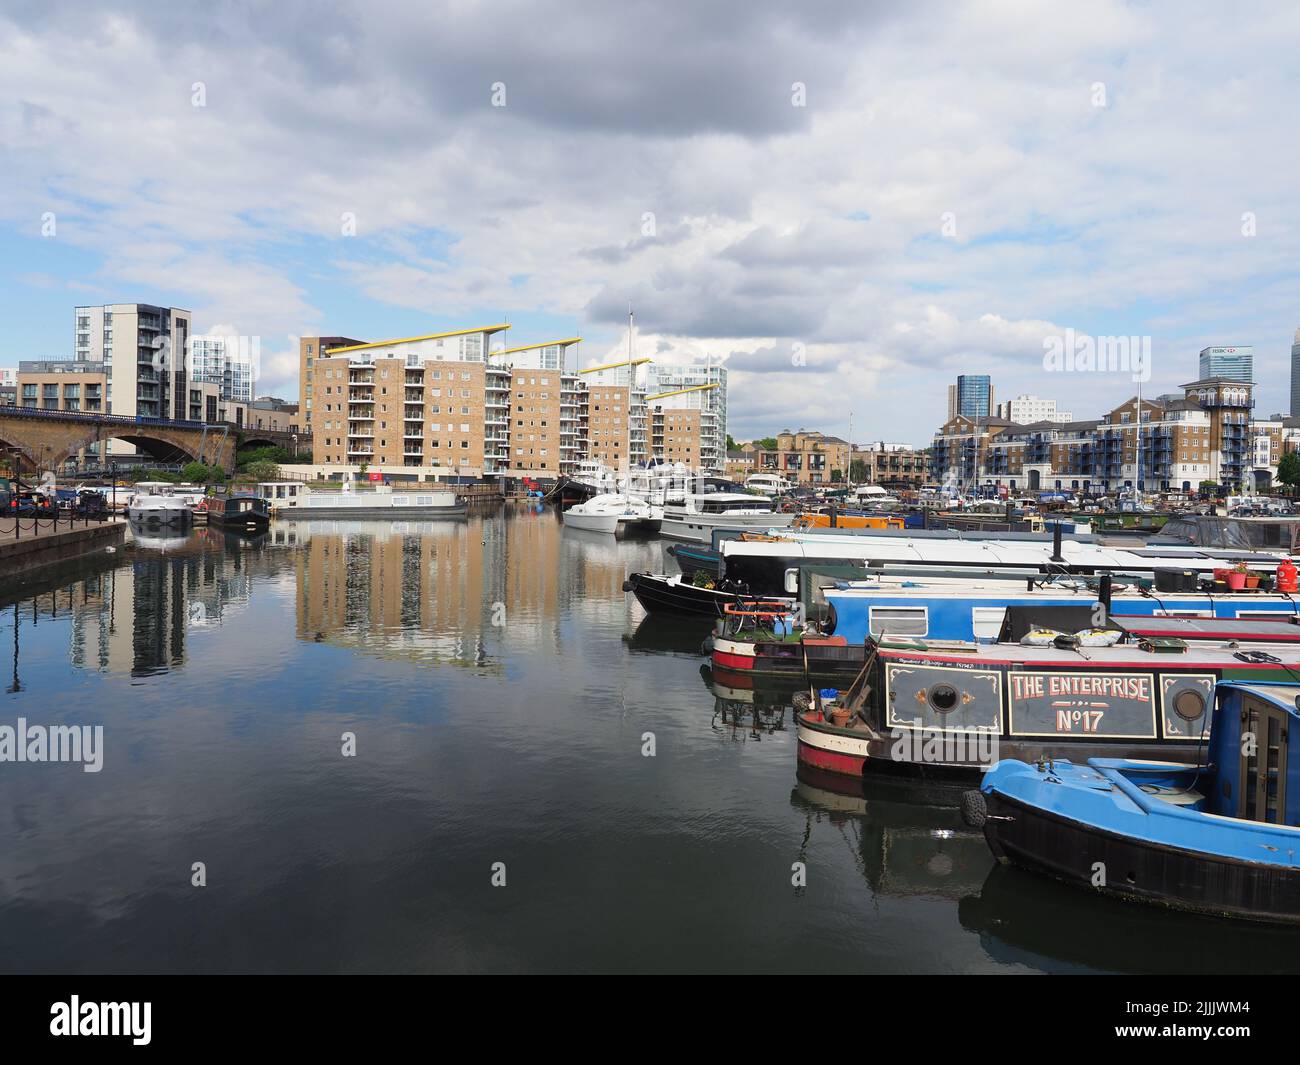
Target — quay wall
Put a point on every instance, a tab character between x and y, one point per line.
20	558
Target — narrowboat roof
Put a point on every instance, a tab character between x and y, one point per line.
1283	694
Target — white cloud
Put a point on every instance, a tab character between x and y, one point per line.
773	225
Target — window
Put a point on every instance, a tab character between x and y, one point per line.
899	620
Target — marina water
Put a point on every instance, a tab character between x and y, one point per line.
540	778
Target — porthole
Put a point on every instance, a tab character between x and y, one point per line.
1189	704
942	697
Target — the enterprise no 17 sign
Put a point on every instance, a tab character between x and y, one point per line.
1082	703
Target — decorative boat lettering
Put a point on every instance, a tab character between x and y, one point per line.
1098	704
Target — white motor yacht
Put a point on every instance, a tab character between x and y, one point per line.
611	513
696	516
158	510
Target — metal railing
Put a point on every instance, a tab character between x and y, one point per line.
15	525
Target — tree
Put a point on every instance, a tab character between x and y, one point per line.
263	454
768	443
731	443
1288	470
194	473
262	471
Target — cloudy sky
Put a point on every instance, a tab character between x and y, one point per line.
851	203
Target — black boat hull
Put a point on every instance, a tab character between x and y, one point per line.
659	594
1074	852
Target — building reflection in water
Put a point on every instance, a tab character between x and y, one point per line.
453	591
461	592
136	615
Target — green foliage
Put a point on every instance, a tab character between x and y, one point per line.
262	471
731	443
1288	470
768	443
263	454
195	473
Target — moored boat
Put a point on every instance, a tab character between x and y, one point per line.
696	516
674	594
950	709
1216	836
158	510
613	513
240	510
762	636
945	607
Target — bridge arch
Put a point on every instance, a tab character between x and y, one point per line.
47	439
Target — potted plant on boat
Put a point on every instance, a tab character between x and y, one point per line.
1236	577
1252	579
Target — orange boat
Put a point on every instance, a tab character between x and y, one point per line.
847	521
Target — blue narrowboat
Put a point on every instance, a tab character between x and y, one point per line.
957	609
1220	836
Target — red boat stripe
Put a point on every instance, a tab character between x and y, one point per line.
726	661
849	764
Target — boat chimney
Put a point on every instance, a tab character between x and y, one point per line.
1056	542
1104	595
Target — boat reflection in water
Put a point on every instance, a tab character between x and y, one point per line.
1030	920
661	634
906	845
747	711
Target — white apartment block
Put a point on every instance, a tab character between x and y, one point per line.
229	362
695	387
1026	410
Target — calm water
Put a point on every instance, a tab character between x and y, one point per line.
499	684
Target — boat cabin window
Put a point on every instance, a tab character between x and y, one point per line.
898	620
722	507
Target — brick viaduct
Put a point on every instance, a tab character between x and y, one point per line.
44	439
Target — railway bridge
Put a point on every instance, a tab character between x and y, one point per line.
45	439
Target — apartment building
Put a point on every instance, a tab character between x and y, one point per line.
448	401
695	396
806	457
309	350
1026	409
142	348
412	402
891	465
1204	434
230	362
609	432
545	419
739	465
64	384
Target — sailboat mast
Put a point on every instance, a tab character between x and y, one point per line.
1137	481
631	371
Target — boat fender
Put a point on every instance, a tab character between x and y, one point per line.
706	648
974	810
627	586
